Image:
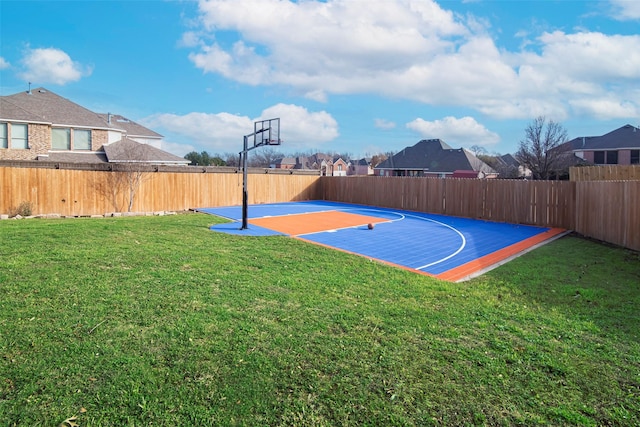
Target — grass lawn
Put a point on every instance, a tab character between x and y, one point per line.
159	321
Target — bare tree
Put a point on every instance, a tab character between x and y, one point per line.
542	150
478	150
112	188
129	169
133	175
231	159
376	159
264	157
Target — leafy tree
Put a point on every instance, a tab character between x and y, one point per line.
194	158
541	151
204	159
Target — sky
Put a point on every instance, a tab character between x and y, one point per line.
357	77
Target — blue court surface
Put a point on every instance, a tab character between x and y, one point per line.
451	248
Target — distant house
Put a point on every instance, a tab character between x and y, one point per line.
618	147
509	167
361	167
285	163
434	158
327	165
40	125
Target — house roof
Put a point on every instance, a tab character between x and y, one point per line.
40	105
130	127
509	160
625	137
43	106
127	150
434	155
285	161
74	157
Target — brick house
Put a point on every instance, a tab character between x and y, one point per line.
618	147
434	158
327	165
41	125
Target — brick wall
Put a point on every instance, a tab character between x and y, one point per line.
98	139
39	143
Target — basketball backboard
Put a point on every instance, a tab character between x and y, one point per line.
266	132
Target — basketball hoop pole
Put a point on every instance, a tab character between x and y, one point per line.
245	194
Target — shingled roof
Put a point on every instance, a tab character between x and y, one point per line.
435	156
130	127
625	137
40	105
127	151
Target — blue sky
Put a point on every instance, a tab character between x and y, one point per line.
348	76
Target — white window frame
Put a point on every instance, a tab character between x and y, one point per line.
19	142
4	133
77	137
59	133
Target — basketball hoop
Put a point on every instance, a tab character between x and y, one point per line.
265	132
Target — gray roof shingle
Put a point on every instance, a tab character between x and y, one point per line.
130	127
434	155
625	137
40	105
127	150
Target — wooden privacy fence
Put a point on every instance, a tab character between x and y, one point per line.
88	192
609	211
605	173
541	203
604	210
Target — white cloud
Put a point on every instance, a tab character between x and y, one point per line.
189	39
465	131
300	128
224	132
414	50
625	10
4	64
605	109
51	65
384	124
177	148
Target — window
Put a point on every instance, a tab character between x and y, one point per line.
605	157
4	143
61	139
635	157
19	136
598	157
81	139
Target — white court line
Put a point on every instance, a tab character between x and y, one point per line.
403	216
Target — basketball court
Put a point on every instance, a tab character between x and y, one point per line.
449	248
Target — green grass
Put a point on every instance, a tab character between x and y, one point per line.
159	321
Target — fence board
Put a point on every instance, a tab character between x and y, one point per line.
609	211
605	173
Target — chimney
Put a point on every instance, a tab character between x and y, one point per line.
29	91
